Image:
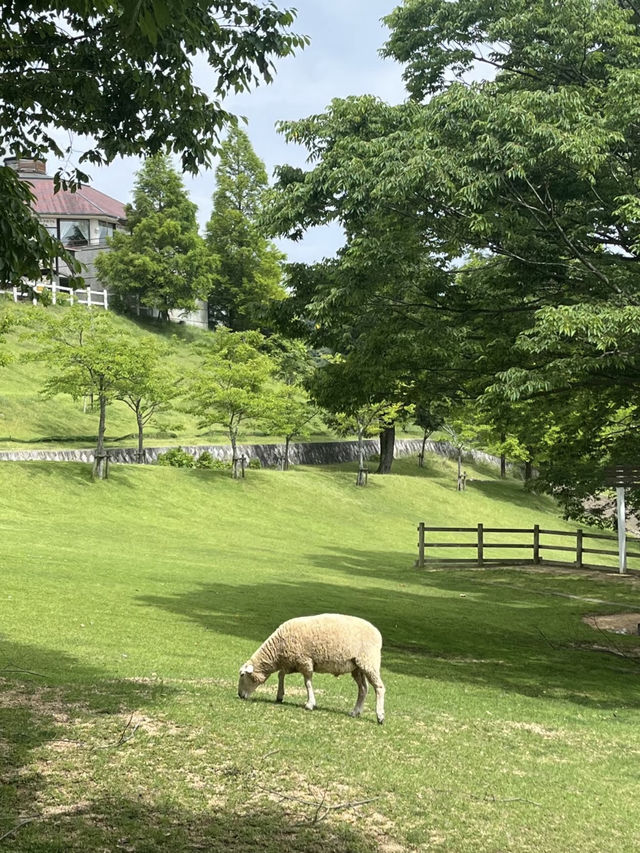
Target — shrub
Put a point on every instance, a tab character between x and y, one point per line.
177	458
205	460
44	297
254	462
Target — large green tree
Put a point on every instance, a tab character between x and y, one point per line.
123	75
518	192
250	274
163	262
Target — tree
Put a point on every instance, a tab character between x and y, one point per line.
291	414
517	192
250	273
85	352
230	385
122	74
163	262
429	418
145	384
382	302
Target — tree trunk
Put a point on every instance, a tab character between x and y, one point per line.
503	460
528	470
421	454
285	461
387	446
101	459
140	456
460	484
361	479
235	473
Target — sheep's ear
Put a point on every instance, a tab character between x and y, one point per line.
247	669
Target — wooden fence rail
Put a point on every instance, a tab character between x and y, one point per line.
534	544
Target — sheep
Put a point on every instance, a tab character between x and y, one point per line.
329	642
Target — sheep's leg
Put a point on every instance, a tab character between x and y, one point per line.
280	693
311	699
361	681
374	679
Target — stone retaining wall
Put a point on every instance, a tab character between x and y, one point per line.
270	455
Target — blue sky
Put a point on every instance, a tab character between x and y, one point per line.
341	60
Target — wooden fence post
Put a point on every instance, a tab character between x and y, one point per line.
480	544
420	562
15	294
105	298
536	543
89	297
579	548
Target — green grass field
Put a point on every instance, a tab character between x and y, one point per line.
127	607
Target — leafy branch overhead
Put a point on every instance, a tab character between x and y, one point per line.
123	75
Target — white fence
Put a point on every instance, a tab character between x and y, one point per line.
82	295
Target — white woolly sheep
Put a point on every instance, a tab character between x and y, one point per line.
330	642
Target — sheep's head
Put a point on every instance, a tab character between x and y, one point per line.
249	680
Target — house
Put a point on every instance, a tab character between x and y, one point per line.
82	220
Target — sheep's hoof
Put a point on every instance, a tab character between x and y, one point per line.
354	713
309	706
380	720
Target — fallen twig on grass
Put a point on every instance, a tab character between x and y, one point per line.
322	809
484	798
19	825
24	671
545	638
124	738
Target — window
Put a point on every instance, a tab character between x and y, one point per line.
74	232
105	229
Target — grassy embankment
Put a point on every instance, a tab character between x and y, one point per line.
127	607
30	421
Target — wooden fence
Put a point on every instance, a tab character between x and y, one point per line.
536	542
82	295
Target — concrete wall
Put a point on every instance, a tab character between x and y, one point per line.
270	455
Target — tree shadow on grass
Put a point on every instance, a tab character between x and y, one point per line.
62	786
444	628
63	474
123	823
40	691
511	492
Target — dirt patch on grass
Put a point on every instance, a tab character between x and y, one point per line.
618	623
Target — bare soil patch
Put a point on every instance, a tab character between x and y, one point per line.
618	623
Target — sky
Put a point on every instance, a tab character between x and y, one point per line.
342	59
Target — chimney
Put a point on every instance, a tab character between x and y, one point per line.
26	166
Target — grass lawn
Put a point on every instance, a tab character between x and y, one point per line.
127	607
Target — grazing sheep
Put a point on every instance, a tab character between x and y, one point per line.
330	643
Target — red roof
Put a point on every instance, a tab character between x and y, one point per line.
84	202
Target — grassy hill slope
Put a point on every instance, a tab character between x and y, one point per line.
127	607
28	420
